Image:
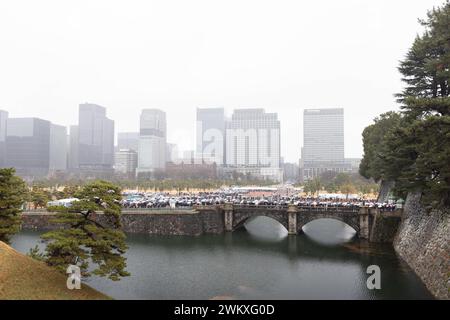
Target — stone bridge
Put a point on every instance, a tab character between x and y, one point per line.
369	223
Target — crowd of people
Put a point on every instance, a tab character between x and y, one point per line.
163	200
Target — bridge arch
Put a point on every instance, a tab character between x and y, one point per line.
239	219
351	221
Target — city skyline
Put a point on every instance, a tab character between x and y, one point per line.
128	58
130	139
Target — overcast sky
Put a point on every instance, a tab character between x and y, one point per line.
178	55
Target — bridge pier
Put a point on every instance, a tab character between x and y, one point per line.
364	229
292	219
228	217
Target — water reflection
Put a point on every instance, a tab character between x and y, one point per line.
329	231
265	228
259	262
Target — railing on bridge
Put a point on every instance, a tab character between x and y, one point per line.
246	206
159	209
302	208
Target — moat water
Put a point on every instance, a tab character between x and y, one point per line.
259	261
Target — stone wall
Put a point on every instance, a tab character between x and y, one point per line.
161	223
38	221
384	226
423	241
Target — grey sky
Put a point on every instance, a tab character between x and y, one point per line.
177	55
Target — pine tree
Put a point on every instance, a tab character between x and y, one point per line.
415	152
84	240
13	194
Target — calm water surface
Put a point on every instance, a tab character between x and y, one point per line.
257	262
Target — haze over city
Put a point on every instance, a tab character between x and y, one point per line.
209	151
177	56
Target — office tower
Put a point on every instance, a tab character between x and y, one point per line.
73	148
172	152
253	144
58	148
95	138
128	140
3	124
28	146
323	142
354	164
210	144
125	162
290	172
152	141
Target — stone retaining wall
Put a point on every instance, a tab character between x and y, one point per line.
173	222
423	241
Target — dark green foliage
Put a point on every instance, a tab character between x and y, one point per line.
13	195
39	197
36	254
85	240
415	152
375	138
425	69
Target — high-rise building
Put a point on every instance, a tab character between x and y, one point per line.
172	152
3	124
28	146
128	140
210	144
73	149
95	138
152	141
323	142
291	171
58	148
253	144
125	162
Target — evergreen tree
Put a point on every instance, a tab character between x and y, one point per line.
421	147
13	194
375	137
86	239
415	153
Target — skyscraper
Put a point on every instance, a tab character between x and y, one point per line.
323	142
171	152
125	162
152	141
95	138
128	140
211	134
28	146
253	143
58	148
73	148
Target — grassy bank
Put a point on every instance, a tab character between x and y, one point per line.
23	278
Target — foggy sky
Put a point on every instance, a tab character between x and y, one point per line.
178	55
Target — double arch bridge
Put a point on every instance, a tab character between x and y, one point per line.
362	219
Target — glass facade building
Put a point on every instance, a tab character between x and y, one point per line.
128	140
95	138
125	162
58	148
210	135
253	143
28	146
323	142
152	141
